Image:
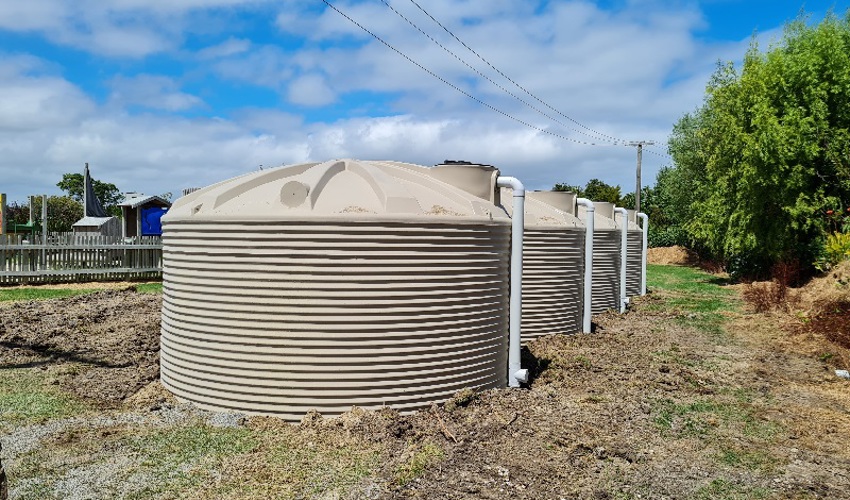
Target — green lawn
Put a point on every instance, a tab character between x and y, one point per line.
37	293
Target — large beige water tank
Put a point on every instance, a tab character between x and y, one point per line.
552	263
323	286
634	256
605	285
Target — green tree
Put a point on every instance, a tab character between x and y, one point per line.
17	213
578	190
768	153
108	194
62	212
596	190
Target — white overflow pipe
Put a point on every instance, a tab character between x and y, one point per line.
624	299
590	228
645	229
516	374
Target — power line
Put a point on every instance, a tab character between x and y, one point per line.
497	70
660	155
458	89
482	75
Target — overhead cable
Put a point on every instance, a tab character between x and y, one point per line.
458	89
500	72
660	155
499	86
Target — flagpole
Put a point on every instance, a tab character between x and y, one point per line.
86	191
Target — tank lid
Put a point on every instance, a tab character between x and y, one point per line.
604	208
539	212
600	222
475	178
565	201
336	188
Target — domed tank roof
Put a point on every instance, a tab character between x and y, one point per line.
341	189
549	209
603	219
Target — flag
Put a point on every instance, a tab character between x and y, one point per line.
91	205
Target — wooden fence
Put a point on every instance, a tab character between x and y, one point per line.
68	257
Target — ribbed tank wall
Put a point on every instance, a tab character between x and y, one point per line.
634	252
282	317
552	281
605	288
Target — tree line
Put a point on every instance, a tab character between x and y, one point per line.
761	170
63	211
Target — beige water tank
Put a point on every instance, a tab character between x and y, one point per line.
323	286
605	286
634	256
552	263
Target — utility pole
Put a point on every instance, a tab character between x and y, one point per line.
639	145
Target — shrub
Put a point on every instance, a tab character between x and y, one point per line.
666	237
836	248
764	297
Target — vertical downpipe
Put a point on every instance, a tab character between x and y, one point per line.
645	231
516	374
590	228
624	299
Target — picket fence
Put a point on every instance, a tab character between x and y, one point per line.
70	257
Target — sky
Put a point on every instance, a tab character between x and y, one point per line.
162	95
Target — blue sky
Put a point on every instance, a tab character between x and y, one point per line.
160	95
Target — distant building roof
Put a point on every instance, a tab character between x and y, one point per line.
134	200
92	221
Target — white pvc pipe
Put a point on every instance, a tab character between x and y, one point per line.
645	229
516	374
624	299
588	260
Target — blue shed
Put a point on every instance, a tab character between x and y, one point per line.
142	214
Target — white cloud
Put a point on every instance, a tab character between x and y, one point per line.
629	73
230	47
151	91
33	100
115	28
310	90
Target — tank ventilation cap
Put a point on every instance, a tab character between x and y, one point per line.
293	193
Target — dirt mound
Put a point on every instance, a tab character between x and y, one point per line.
676	255
105	344
822	293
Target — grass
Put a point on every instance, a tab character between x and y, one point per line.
754	460
720	489
698	298
13	294
182	458
27	397
284	465
727	419
687	280
128	461
149	287
421	458
37	293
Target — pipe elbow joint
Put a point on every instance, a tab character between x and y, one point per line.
521	375
585	203
513	183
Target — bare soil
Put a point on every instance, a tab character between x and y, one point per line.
111	339
652	405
